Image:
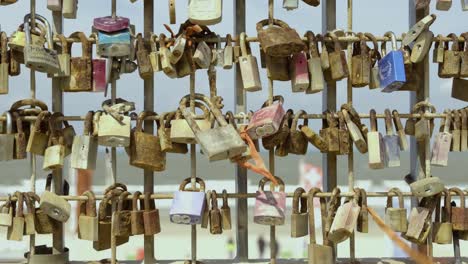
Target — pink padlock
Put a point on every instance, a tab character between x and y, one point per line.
299	72
267	120
109	24
99	75
270	206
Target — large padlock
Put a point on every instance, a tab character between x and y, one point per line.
180	129
18	38
427	187
442	225
70	7
299	217
87	220
297	141
38	57
226	213
144	65
361	63
391	142
151	219
121	226
39	137
188	206
217	143
391	68
113	132
278	39
84	149
145	149
16	230
81	70
4	64
54	205
114	44
317	81
6	213
459	213
318	253
215	217
375	144
345	219
138	226
268	119
442	142
270	205
205	12
63	58
7	141
395	218
299	71
450	67
249	67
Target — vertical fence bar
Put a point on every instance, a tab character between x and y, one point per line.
193	171
240	101
148	24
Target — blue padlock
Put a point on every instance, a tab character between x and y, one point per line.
392	68
115	44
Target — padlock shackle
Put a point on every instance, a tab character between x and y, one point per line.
214	200
213	109
388	122
393	39
401	201
114	186
32	103
197	104
141	120
135	199
312	41
29	201
373	121
276	98
336	42
9	122
229	116
64	44
187	181
27	29
397	121
356	195
461	194
375	51
243	44
454	39
90	203
19	204
86	47
122	199
296	120
40	119
448	121
428	107
228	40
295	204
149	203
225	200
261	184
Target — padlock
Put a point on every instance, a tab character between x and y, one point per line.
337	58
459	213
456	132
215	215
179	48
121	226
54	205
400	131
7	141
111	24
70	7
205	12
180	129
99	75
44	224
270	205
424	127
84	149
278	39
439	50
443	5
442	225
278	68
203	55
144	65
375	144
188	206
63	58
217	143
165	58
87	220
355	132
228	53
112	132
20	138
332	207
395	218
54	155
317	81
324	56
361	63
37	57
391	67
299	217
345	219
114	44
29	216
105	223
18	38
6	213
248	67
16	57
374	81
290	4
81	73
154	55
185	66
205	221
363	219
145	149
217	58
151	219
136	216
297	141
418	29
450	67
391	142
16	230
330	133
318	253
458	89
38	138
464	56
166	142
419	222
421	46
343	135
67	131
226	213
314	138
54	5
4	64
464	131
281	137
299	72
427	187
267	120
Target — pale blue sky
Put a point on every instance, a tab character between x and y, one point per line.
376	16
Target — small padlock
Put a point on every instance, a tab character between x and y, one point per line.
144	65
450	67
442	225
38	138
421	46
363	219
7	141
138	226
180	130
299	217
113	132
84	149
391	67
54	155
318	253
391	142
345	219
270	205
54	205
87	220
299	72
215	215
395	218
375	57
456	132
228	53
81	72
44	224
166	141
375	144
338	64
165	58
427	187
6	213
361	63
188	206
317	81
419	222
114	43
122	226
29	216
179	48
151	217
297	140
249	67
226	213
459	213
4	64
268	119
16	230
330	133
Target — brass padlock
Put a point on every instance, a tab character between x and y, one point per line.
299	217
464	57
278	68
330	133
4	64
6	213
215	215
278	39
450	67
20	138
39	137
165	58
338	64
318	253
343	135
363	219
205	219
18	38
154	55
121	226
151	219
228	53
88	221
443	232
64	58
29	216
16	230
44	224
81	70
226	213
355	131
165	137
314	138
138	226
400	131
317	81
113	132
16	57
54	155
361	63
458	89
396	217
459	213
419	221
144	64
427	187
297	141
7	141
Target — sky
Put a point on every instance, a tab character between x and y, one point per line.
375	16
